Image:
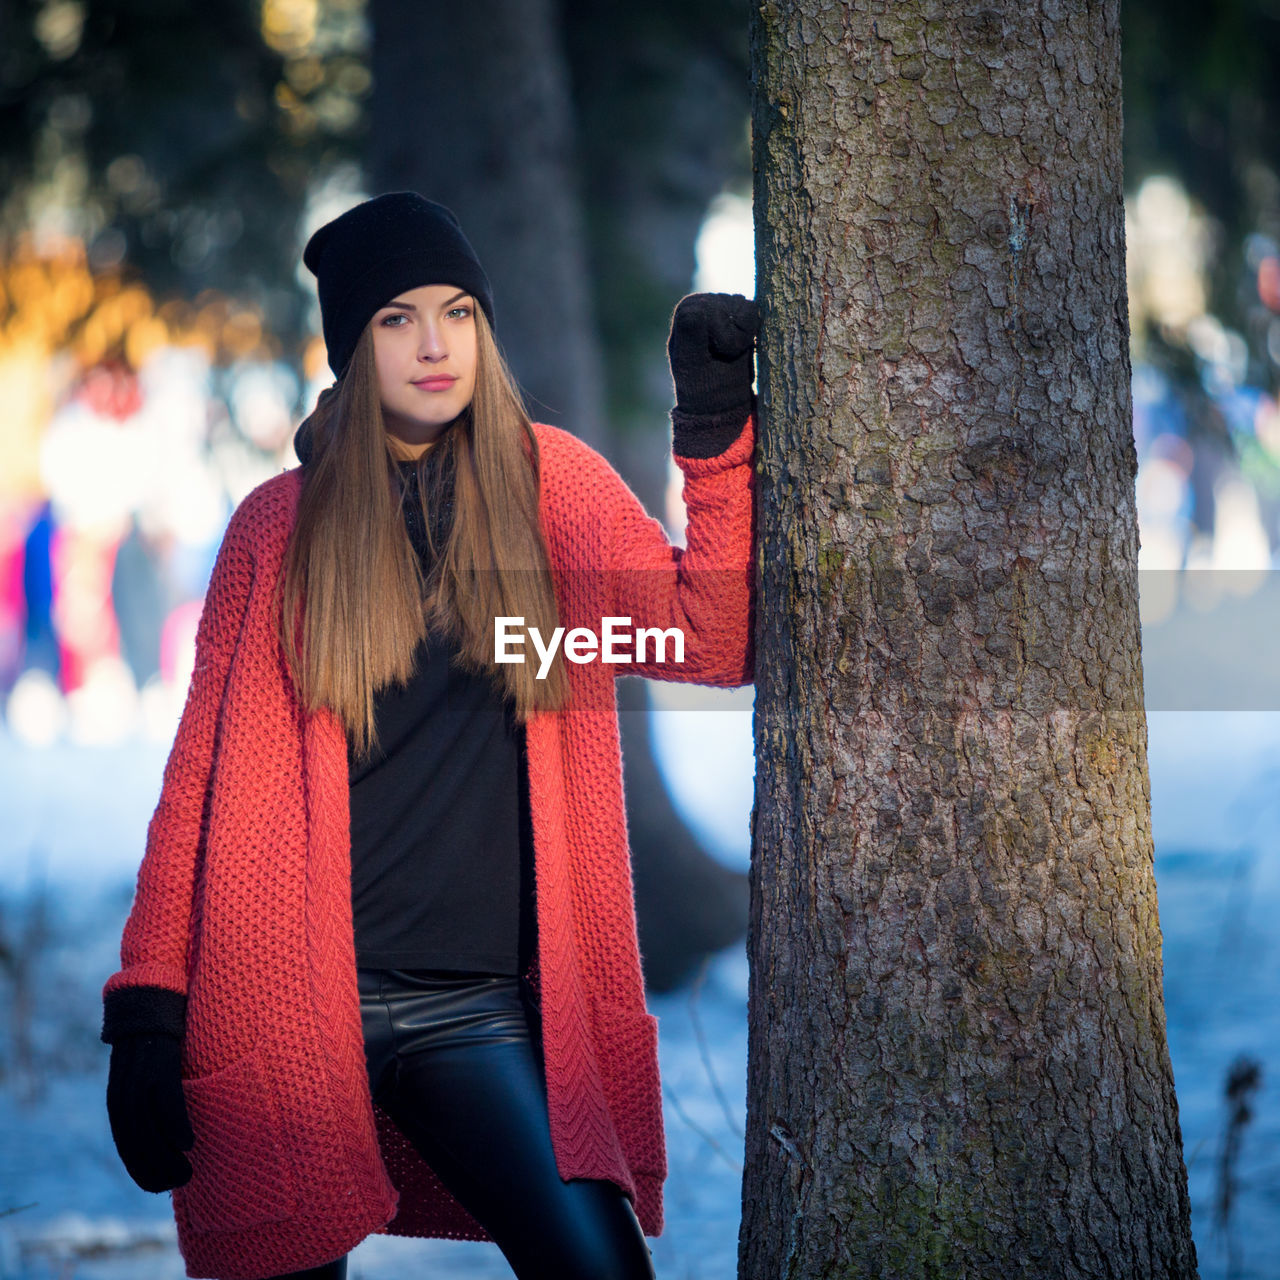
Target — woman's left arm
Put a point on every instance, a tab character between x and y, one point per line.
704	591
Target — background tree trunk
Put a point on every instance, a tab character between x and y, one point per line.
662	103
478	111
957	1055
687	903
473	110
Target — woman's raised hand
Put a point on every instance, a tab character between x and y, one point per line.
710	349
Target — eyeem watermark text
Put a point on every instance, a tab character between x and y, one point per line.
615	643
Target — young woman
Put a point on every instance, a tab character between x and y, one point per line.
381	970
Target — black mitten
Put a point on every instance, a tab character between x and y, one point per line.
710	349
145	1103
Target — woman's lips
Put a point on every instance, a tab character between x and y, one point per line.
435	384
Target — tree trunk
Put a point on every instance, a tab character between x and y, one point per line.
957	1054
688	905
472	109
662	100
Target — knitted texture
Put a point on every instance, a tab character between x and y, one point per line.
243	900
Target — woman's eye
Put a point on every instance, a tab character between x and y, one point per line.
389	321
464	310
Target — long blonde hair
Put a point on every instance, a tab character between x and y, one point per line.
351	581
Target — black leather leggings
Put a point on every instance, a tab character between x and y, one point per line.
456	1061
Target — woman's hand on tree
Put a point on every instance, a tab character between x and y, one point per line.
710	346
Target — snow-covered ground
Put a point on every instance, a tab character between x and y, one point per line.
74	821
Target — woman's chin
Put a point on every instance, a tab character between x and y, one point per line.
420	429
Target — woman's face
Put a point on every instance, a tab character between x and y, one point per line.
424	346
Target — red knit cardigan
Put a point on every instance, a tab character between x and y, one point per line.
243	898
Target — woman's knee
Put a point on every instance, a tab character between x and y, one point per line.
596	1237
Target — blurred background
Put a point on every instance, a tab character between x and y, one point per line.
161	166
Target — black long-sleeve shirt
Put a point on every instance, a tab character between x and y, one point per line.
441	838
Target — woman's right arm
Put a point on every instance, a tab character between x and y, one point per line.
153	949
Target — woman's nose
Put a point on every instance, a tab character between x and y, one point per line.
431	345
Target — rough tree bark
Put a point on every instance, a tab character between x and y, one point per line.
957	1054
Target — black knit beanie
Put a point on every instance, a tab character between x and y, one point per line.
366	256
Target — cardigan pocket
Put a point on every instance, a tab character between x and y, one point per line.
243	1172
627	1053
